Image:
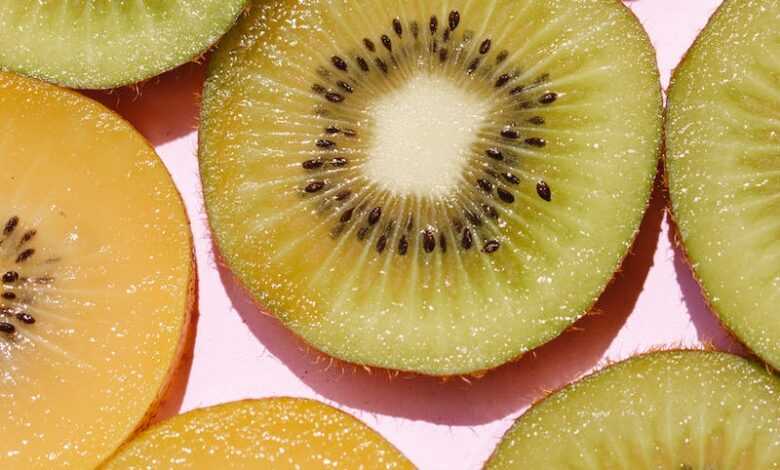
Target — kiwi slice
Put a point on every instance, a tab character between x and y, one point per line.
685	410
270	433
431	186
108	43
97	282
723	167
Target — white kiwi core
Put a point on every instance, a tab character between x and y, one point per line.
423	133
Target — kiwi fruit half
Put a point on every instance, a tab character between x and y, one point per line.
108	43
279	433
97	282
684	410
723	168
430	186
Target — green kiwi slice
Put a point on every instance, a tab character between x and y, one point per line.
101	44
432	186
685	410
723	167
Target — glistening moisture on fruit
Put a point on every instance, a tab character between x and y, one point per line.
108	43
436	187
277	433
686	410
723	167
97	281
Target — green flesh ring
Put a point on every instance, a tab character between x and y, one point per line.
99	44
437	186
682	410
723	166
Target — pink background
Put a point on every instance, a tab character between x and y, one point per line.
239	352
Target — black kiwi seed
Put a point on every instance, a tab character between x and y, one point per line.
511	178
443	243
362	233
312	164
467	241
362	63
505	196
433	24
347	215
429	241
535	142
334	97
516	90
491	246
369	44
25	318
381	243
490	211
9	295
397	27
325	143
349	132
386	42
509	133
543	190
374	215
403	245
502	56
381	64
10	225
343	195
494	153
473	66
548	98
25	255
319	89
415	29
473	218
7	328
443	55
503	80
314	186
537	120
454	19
484	48
10	277
446	35
339	63
332	130
485	185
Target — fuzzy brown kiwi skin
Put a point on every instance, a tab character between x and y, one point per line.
188	330
673	226
221	261
649	352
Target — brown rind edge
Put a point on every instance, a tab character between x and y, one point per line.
220	260
127	443
679	241
649	352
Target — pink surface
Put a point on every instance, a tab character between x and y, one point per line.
239	352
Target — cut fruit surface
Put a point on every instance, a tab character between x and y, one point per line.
97	280
279	433
723	167
108	43
435	187
687	410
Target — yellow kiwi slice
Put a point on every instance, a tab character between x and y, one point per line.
723	167
98	280
432	186
108	43
278	433
682	410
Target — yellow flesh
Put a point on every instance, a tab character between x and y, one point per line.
673	410
108	43
113	235
278	433
723	161
434	313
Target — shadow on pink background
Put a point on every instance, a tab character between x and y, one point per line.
242	352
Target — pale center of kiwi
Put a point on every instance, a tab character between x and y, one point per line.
423	135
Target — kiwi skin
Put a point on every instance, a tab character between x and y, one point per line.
188	325
221	260
673	226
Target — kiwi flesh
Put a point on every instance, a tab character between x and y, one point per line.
723	168
108	43
434	186
97	281
686	410
277	433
